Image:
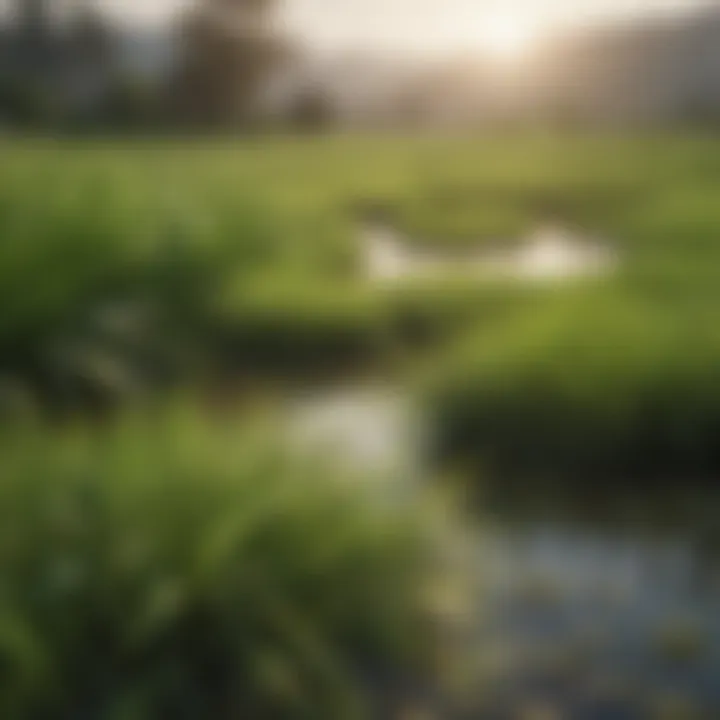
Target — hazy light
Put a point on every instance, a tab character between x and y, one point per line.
507	36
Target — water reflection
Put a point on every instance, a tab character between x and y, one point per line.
549	253
594	602
368	427
605	616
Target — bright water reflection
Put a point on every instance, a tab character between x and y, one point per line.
587	610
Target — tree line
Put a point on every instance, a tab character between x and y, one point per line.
72	74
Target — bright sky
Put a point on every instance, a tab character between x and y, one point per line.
453	24
425	25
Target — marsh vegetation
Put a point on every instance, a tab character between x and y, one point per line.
223	578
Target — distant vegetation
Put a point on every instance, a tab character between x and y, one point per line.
227	66
217	60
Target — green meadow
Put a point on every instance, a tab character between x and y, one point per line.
162	255
223	581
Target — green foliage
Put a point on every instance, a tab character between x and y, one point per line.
174	567
290	327
103	290
25	103
184	569
122	265
597	385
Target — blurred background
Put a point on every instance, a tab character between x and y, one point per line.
359	359
172	64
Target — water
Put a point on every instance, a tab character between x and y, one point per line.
587	609
373	429
599	620
550	253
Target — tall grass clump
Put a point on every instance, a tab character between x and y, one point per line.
603	387
177	569
104	290
288	326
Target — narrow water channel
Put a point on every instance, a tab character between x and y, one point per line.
551	253
595	605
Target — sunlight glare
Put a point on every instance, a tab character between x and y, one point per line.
507	37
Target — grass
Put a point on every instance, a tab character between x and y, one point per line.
189	237
602	388
171	566
177	567
128	266
122	264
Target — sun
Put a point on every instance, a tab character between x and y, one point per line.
507	37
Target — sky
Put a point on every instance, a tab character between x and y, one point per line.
462	24
422	26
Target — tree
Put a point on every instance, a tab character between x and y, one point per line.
312	111
227	52
52	78
132	104
89	65
26	56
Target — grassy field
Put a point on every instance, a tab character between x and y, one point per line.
128	267
125	263
130	270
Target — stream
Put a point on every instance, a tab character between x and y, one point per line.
549	253
597	604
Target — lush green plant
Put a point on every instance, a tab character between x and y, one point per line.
123	263
600	386
101	293
170	567
291	327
